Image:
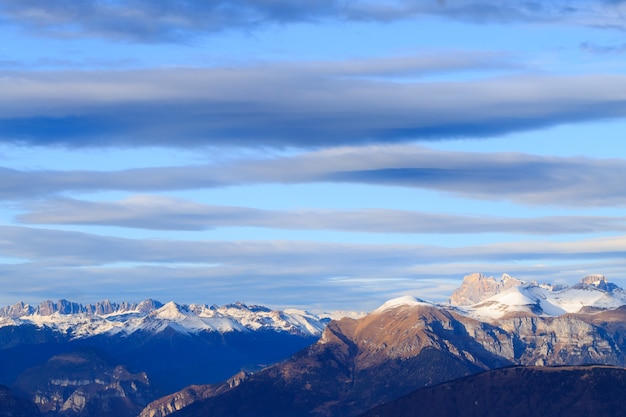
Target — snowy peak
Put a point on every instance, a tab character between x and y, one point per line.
154	317
594	293
17	310
600	282
405	301
477	287
487	298
148	305
171	311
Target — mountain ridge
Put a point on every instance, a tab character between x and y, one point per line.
153	316
342	367
516	392
408	344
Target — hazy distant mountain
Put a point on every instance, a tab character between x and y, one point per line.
519	392
476	287
488	298
78	321
408	344
342	368
175	345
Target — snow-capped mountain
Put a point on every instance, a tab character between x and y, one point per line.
174	344
510	296
355	363
152	316
488	298
407	344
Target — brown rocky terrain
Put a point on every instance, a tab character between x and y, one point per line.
181	399
358	364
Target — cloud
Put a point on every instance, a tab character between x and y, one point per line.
164	213
603	49
520	178
293	105
309	291
101	266
179	20
153	21
53	248
212	286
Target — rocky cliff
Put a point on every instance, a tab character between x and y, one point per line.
85	384
181	399
408	344
477	287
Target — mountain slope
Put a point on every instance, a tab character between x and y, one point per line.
488	298
408	344
12	406
518	392
355	365
175	344
108	318
85	384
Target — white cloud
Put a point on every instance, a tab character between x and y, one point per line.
305	105
521	178
165	213
94	267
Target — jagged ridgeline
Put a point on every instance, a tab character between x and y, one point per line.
343	367
73	359
408	344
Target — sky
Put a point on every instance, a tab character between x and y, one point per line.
324	155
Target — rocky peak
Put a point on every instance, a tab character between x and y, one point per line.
595	279
148	305
17	310
104	307
48	308
65	307
598	281
477	287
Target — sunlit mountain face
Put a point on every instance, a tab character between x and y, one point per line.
257	164
151	359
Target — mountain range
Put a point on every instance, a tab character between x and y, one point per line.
294	363
174	345
408	344
83	321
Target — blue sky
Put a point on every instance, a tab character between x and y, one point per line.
323	155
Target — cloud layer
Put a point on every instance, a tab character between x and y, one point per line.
164	213
157	21
254	269
520	178
317	125
299	105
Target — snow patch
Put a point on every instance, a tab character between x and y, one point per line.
546	300
153	317
404	301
